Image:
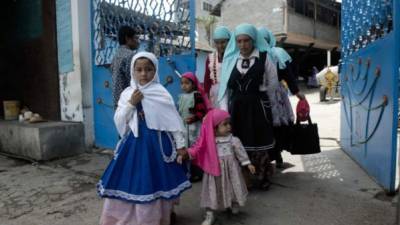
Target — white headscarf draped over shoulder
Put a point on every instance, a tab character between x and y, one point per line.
158	105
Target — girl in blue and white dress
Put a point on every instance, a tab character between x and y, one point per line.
143	181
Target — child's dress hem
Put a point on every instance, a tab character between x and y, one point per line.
143	199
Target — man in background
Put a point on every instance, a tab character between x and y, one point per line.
120	65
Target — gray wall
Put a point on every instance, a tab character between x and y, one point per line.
272	14
300	24
268	13
257	12
304	25
327	32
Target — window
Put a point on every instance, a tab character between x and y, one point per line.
299	6
327	16
290	3
309	9
207	7
216	10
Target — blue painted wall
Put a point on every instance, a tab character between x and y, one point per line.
369	87
64	36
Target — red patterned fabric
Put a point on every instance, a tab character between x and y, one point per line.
302	110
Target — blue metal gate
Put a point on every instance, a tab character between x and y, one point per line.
166	28
369	85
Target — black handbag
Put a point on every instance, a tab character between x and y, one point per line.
305	138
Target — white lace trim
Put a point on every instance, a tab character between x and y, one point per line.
143	198
172	157
117	149
260	148
167	159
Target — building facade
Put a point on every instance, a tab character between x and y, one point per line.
307	29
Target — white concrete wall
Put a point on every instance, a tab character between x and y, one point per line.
200	13
201	64
70	83
85	53
76	86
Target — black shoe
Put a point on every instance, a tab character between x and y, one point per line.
279	161
265	185
279	164
172	218
195	179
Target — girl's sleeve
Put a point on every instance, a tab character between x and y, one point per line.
199	110
270	81
207	80
270	86
240	152
288	75
194	149
122	116
179	139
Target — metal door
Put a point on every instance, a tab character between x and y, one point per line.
369	86
166	28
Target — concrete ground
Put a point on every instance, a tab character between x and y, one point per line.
323	189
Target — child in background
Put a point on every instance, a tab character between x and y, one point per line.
193	105
143	181
217	152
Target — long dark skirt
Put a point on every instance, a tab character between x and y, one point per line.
251	122
262	162
282	141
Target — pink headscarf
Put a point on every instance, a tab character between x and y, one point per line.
204	151
193	78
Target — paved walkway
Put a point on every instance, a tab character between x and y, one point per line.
323	189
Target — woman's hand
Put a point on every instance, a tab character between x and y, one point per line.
300	96
251	168
136	97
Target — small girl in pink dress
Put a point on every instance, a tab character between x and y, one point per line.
218	153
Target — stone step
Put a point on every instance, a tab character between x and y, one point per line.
42	141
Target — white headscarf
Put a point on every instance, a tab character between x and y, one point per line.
158	105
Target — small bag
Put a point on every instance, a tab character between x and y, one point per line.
305	138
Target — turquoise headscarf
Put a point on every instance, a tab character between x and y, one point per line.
268	35
232	53
280	56
221	32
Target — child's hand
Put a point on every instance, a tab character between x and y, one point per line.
251	168
189	120
183	154
136	97
179	160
